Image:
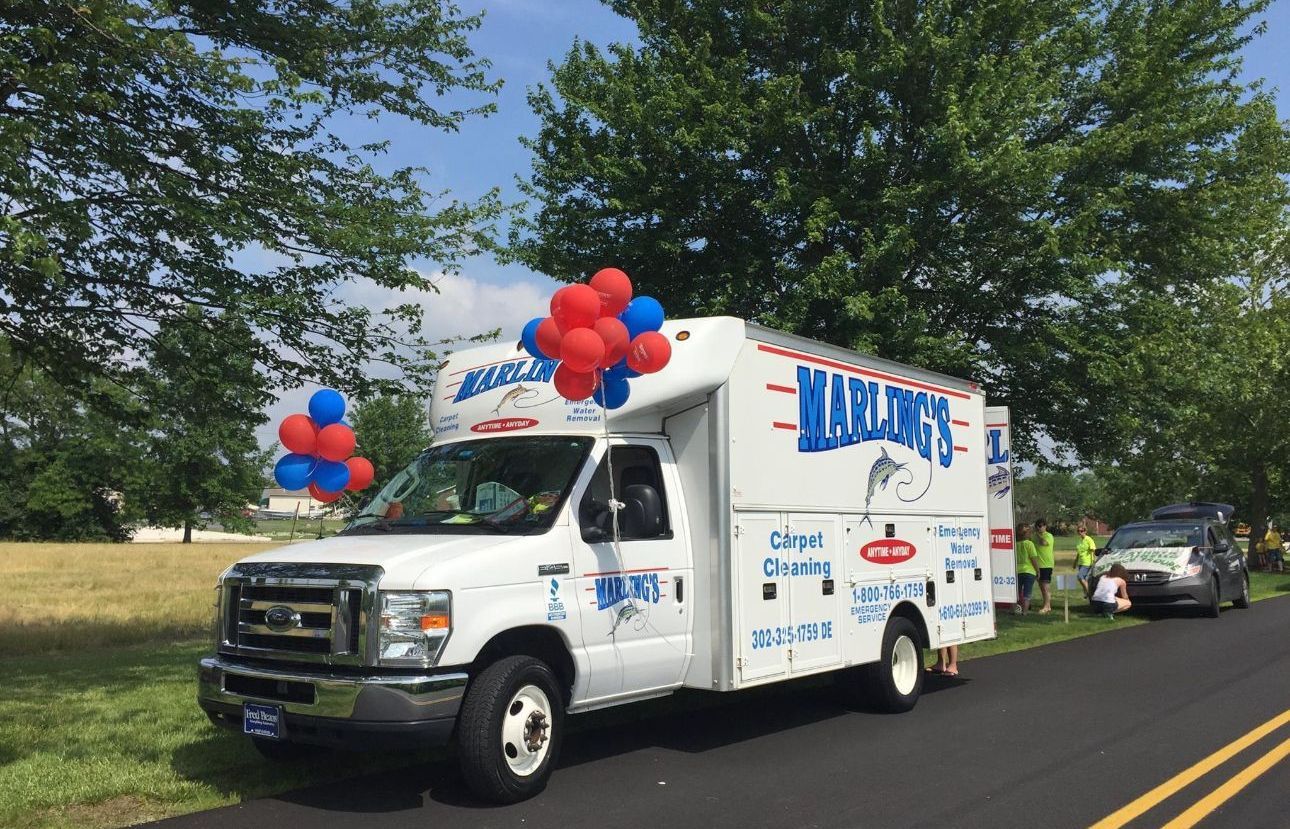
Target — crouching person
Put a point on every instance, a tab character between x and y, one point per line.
1111	596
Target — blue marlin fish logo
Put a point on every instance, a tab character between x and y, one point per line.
999	482
880	474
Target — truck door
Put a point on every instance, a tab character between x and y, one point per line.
761	637
949	581
635	609
978	599
810	549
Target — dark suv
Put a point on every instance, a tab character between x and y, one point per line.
1185	556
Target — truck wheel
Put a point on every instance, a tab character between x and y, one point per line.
1243	601
510	729
894	682
280	751
1211	609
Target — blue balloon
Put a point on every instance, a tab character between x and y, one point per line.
529	338
644	313
295	471
620	371
326	407
331	476
612	392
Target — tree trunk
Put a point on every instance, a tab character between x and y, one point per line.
188	531
1258	508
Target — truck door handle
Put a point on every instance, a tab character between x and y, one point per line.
679	589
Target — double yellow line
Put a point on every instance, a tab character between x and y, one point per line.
1214	799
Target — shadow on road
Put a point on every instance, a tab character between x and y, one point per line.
688	721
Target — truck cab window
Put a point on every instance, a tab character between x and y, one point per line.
638	484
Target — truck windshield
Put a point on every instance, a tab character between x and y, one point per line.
1139	536
509	484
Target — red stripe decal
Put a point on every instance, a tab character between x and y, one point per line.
494	363
792	427
996	425
807	358
960	448
784	389
625	572
960	423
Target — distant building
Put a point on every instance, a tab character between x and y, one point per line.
286	502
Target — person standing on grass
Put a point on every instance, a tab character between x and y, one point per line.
1044	548
1111	596
1272	543
1027	568
1084	549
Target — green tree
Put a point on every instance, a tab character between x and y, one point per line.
1060	497
930	182
205	398
157	155
1184	393
391	430
65	467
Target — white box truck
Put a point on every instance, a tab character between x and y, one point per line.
781	508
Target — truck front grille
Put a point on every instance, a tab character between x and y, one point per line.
298	612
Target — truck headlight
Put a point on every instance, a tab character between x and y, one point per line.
414	626
215	616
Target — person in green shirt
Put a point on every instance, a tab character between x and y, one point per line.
1044	548
1027	567
1084	557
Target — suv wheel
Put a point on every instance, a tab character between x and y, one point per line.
1243	601
1211	609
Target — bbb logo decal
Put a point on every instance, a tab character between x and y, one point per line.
555	610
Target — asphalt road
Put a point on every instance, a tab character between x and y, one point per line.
1063	735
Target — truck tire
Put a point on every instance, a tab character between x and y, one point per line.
894	682
1211	610
1243	601
280	751
510	729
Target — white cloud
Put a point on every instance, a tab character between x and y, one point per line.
464	306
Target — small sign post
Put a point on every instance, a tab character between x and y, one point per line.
1064	583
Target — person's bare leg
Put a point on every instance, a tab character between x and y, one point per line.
1048	598
1122	605
952	661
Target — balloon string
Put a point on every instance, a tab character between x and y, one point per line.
614	504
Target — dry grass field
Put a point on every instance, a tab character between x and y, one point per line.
74	597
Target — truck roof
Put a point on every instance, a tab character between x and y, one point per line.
500	388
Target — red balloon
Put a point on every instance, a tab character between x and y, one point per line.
298	434
336	442
573	385
575	306
581	350
548	338
361	474
322	494
649	352
615	290
615	337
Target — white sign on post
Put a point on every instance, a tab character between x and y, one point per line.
998	456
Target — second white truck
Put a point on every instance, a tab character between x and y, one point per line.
771	508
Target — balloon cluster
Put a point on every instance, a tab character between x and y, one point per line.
602	338
321	444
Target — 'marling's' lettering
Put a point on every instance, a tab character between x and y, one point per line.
480	380
838	411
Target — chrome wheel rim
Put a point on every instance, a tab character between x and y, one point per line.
526	730
904	665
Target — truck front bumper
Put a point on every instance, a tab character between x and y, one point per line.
342	710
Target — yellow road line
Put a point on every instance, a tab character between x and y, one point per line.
1173	785
1225	792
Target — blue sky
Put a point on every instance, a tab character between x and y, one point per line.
520	37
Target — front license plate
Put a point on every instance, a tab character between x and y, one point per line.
262	720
